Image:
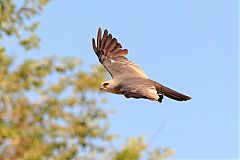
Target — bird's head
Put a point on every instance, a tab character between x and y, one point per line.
106	86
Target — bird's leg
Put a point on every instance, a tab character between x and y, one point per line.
160	98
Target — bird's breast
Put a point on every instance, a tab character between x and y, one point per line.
116	91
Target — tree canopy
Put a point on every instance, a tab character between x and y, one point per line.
50	107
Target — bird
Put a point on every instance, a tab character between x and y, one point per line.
128	78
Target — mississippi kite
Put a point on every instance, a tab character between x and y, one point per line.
128	78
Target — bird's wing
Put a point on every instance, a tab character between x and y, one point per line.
112	57
138	88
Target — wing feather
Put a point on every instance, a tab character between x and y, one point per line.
118	46
112	57
105	34
112	44
94	46
99	38
120	52
108	41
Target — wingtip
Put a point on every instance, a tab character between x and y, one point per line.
99	37
100	30
93	42
94	45
106	31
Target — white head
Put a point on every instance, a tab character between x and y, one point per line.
107	86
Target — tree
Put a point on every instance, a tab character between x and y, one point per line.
49	106
135	148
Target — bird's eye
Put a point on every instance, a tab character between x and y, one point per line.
105	85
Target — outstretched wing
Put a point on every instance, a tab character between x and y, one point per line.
112	57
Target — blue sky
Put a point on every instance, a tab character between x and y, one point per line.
190	46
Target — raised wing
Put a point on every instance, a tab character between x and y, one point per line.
112	57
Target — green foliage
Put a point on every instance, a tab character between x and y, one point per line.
132	150
49	106
161	154
135	148
49	117
16	20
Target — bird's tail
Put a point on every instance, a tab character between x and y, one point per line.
170	93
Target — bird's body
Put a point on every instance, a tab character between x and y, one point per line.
128	78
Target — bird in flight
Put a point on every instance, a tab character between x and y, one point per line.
128	78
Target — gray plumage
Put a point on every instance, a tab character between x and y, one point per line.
128	78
